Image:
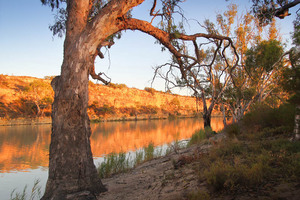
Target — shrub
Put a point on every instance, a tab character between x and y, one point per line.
150	90
149	151
201	135
232	130
132	111
105	109
113	163
223	176
139	155
228	148
117	86
198	195
148	109
262	116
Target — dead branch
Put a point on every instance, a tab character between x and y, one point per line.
283	11
93	74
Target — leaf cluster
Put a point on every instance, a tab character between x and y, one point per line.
265	10
264	55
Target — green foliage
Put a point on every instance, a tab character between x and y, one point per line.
201	135
113	163
248	162
263	55
149	152
290	80
139	157
238	166
263	116
296	33
227	149
105	109
264	10
232	130
37	86
118	163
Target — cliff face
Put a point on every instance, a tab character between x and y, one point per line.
32	97
132	102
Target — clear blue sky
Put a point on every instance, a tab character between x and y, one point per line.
28	48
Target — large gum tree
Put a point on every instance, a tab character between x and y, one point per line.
89	25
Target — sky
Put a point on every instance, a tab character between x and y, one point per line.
27	47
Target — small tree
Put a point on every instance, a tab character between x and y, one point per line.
291	77
40	93
265	11
254	77
206	66
256	80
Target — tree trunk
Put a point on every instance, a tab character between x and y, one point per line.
72	173
207	111
224	114
206	114
297	123
38	112
207	119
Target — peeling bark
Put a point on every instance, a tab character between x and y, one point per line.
297	124
72	173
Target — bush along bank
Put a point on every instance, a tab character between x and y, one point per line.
253	159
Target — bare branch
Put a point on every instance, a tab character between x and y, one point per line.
283	11
98	76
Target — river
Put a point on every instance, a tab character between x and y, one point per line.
24	149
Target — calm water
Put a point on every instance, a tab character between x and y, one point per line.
24	149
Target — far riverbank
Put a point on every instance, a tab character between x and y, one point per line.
47	120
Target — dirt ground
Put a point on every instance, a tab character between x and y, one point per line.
155	179
172	177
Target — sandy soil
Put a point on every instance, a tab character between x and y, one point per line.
156	179
175	177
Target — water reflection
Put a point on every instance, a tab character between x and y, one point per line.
126	136
24	148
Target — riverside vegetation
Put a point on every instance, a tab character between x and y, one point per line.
253	159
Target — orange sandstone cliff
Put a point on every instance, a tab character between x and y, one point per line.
29	97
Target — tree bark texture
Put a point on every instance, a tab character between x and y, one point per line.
297	123
72	173
207	120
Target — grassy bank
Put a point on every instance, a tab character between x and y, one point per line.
256	157
253	159
120	163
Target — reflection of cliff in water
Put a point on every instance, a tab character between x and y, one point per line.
24	147
27	147
126	136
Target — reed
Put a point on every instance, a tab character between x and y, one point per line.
119	163
35	192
